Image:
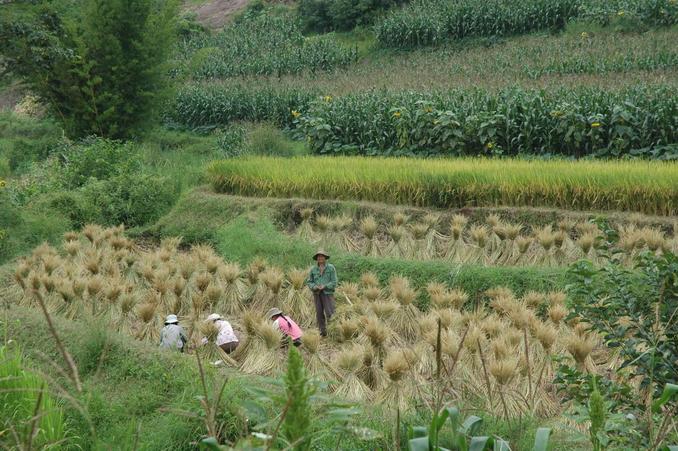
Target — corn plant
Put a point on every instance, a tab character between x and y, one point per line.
464	436
208	106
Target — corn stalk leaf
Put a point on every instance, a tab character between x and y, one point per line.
479	443
418	444
541	439
471	425
670	390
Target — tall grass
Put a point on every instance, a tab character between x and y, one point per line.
29	416
648	187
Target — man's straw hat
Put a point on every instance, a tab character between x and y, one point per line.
320	252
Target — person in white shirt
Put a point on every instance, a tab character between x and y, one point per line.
226	339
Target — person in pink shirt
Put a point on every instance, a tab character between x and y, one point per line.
286	325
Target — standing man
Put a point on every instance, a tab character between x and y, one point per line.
322	281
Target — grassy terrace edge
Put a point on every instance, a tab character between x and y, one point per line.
638	186
243	229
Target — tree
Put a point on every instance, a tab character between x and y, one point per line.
99	66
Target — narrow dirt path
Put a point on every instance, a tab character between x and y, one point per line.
215	13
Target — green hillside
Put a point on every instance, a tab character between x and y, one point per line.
495	182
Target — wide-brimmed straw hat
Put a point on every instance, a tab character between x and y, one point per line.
320	252
213	317
273	312
171	319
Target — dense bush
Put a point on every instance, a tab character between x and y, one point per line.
95	180
328	15
98	159
265	139
263	45
432	22
24	140
638	317
575	123
132	199
209	106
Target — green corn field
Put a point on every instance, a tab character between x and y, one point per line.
648	187
261	46
201	105
639	122
435	22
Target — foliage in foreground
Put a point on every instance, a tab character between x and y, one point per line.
575	123
639	318
636	314
647	187
30	418
99	67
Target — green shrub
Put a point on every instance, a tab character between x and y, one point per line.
4	167
71	204
23	228
99	159
635	316
24	140
265	139
231	141
189	27
343	15
131	199
168	141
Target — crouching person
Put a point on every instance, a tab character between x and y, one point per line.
286	325
226	339
172	335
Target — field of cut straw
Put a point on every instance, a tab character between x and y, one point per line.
639	186
494	241
382	348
